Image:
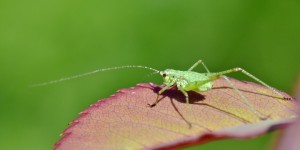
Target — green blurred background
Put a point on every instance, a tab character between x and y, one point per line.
46	40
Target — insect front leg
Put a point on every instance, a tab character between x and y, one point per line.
159	93
197	63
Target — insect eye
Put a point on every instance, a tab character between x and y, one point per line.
164	75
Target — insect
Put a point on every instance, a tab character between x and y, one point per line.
186	81
200	82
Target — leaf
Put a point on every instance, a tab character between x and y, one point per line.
123	121
291	136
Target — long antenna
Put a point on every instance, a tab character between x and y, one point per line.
89	73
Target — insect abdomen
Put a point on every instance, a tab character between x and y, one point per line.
199	86
198	82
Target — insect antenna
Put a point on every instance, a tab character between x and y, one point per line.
92	72
149	75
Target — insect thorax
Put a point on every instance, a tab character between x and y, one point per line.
188	80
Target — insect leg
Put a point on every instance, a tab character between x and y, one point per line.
251	76
187	102
197	63
159	93
185	94
245	100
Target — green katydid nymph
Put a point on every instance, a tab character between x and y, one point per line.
186	81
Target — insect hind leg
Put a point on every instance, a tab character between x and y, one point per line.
237	69
261	116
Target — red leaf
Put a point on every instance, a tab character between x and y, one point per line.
124	122
290	139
